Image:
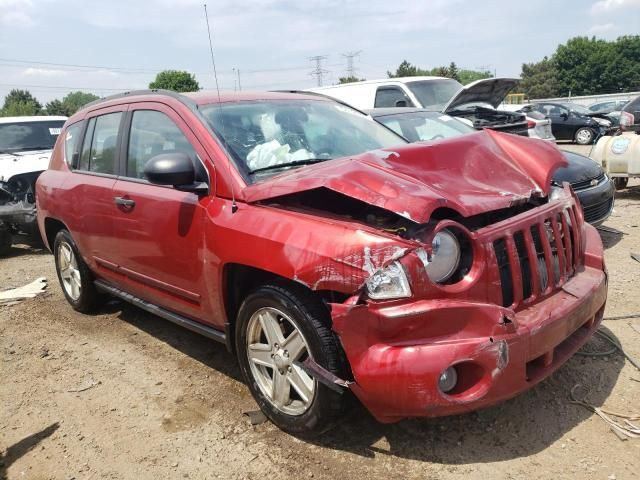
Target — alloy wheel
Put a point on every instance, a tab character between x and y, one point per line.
274	343
69	271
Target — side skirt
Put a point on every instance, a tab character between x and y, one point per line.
187	323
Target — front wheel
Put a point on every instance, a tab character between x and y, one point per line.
584	136
74	275
278	328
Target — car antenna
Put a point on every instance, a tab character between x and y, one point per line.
234	205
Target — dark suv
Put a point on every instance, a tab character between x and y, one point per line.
327	253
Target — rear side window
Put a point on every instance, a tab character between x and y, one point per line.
153	133
390	96
71	144
100	144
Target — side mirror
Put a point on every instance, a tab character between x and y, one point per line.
170	169
564	115
401	103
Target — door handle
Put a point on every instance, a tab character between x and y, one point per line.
124	202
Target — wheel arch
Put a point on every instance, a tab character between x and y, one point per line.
238	280
51	228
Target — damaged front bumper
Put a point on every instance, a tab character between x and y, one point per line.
399	350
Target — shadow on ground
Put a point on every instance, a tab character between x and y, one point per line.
19	449
206	351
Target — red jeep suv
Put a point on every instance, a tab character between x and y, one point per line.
327	253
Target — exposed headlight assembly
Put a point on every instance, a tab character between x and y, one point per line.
389	282
555	193
445	256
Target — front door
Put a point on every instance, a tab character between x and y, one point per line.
160	230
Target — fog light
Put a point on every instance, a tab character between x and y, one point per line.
448	380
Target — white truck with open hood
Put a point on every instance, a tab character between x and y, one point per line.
474	103
26	144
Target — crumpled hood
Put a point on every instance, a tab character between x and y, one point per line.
23	162
472	174
491	91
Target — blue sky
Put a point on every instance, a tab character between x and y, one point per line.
270	41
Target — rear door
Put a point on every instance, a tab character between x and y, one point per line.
95	167
160	230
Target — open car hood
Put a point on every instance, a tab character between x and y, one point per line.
490	91
472	174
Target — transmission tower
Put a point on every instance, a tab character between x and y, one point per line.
350	56
318	72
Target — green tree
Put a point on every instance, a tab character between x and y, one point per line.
350	79
20	103
176	80
539	80
70	104
405	69
468	76
55	107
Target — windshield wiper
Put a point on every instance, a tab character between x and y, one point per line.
8	152
307	161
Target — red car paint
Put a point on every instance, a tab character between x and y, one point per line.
172	249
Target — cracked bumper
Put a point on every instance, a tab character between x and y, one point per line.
397	353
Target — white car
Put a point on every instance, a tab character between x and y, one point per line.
539	125
474	103
26	144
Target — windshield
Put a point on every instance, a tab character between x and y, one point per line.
266	136
23	136
582	110
425	126
434	94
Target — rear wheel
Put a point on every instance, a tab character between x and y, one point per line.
74	275
584	136
278	328
620	182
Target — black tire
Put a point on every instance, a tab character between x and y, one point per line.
585	136
620	182
88	299
312	320
6	240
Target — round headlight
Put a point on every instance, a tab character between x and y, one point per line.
445	256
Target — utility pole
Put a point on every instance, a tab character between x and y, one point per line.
236	81
318	72
351	70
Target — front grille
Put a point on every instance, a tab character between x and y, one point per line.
584	184
593	213
537	257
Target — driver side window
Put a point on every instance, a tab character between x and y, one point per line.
153	133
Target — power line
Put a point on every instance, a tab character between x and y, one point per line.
318	72
129	70
350	56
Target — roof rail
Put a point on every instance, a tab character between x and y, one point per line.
153	91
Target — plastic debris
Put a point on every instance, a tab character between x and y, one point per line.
31	290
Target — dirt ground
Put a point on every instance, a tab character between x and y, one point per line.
124	394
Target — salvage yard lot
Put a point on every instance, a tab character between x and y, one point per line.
124	394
